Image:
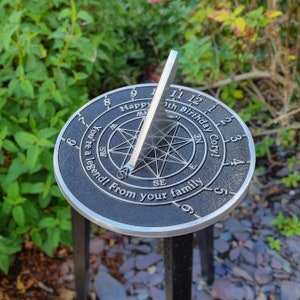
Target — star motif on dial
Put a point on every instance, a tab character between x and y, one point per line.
171	149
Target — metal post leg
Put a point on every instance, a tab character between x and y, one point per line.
205	239
178	257
81	228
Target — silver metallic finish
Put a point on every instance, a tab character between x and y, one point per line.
156	121
193	177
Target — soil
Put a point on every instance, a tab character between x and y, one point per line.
36	276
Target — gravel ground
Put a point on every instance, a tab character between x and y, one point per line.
245	265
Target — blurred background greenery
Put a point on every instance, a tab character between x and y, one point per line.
56	55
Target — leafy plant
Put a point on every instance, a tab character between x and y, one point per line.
247	52
287	226
54	57
292	180
274	243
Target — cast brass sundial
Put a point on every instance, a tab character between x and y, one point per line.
154	159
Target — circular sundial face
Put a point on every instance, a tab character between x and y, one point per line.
198	169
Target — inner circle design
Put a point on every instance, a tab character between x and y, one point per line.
181	165
177	147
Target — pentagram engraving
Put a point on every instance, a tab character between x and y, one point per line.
189	156
191	176
176	147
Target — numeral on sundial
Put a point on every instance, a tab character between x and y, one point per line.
236	162
235	138
225	121
107	102
209	110
195	99
133	93
220	191
70	142
187	209
177	94
82	120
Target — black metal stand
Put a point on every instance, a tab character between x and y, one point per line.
205	239
178	260
178	257
81	234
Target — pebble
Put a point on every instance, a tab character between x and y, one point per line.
157	294
221	246
235	253
226	236
107	287
145	261
127	265
97	245
290	290
225	290
262	276
248	256
241	235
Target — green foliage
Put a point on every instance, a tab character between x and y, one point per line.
54	57
292	179
248	53
262	147
274	243
287	226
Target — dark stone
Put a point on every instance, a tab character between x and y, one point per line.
235	253
290	290
262	276
248	256
145	261
221	246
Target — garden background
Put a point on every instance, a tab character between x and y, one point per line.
57	55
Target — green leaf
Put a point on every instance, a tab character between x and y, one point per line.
47	133
32	188
54	236
7	206
15	170
80	75
4	263
37	237
238	94
18	215
8	246
3	133
65	13
46	143
20	71
10	146
44	201
27	88
47	222
13	190
47	248
85	16
15	17
25	139
13	86
32	157
65	225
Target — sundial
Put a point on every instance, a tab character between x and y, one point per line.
155	160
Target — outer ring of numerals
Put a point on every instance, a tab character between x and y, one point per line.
198	195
